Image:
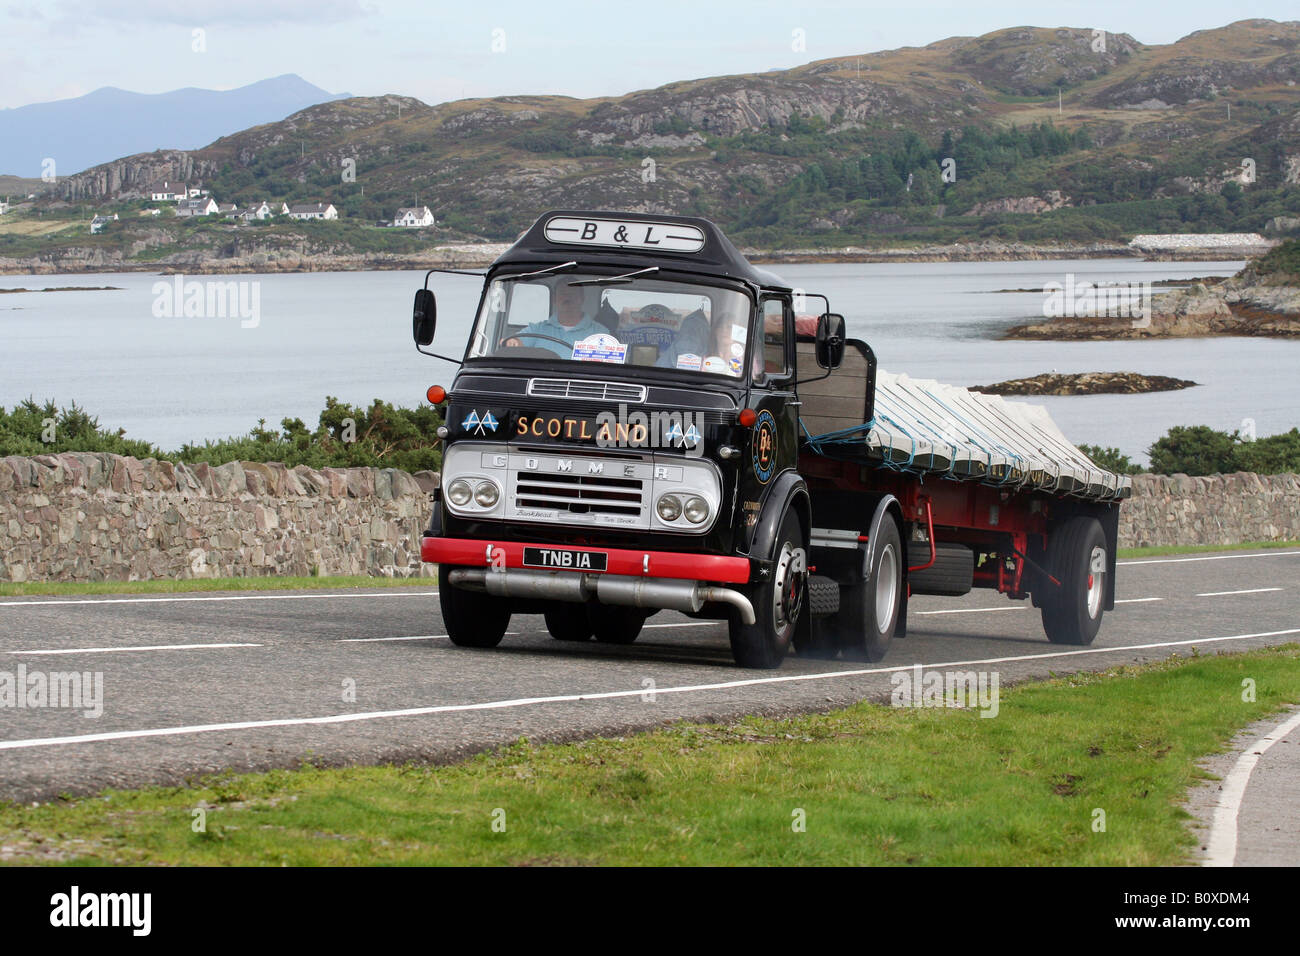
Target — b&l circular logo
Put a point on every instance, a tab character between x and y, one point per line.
764	446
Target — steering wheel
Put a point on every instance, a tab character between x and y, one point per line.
538	335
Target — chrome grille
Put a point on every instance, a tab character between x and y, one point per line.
582	388
580	494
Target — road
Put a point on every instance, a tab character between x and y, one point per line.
196	683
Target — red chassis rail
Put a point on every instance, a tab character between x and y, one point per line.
960	512
481	553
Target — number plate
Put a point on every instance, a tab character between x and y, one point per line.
562	559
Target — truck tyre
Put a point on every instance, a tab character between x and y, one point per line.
871	610
778	602
611	624
472	618
1076	556
568	622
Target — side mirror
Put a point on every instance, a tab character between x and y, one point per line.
830	340
424	317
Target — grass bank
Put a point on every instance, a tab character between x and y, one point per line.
73	588
869	784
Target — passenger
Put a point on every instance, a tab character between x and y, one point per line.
565	326
692	338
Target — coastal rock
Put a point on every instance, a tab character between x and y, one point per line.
1086	383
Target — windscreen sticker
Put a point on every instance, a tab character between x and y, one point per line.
715	363
600	348
739	333
690	360
738	349
734	365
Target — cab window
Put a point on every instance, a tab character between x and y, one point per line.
773	338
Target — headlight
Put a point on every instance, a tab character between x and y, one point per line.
459	492
696	509
669	507
486	494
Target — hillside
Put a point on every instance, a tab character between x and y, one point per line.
844	152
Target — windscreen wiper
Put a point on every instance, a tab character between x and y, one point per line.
611	280
540	272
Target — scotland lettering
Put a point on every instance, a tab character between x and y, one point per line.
71	690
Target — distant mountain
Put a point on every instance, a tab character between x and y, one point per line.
108	123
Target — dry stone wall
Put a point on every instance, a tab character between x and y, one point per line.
98	517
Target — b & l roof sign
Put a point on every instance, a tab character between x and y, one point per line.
625	234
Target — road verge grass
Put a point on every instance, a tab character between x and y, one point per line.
73	588
1155	552
869	785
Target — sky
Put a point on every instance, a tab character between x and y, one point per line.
441	51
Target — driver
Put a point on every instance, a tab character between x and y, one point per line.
566	325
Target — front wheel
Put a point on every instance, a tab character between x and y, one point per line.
472	618
778	602
611	624
1076	555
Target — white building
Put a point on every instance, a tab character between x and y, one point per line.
168	192
315	210
99	222
413	217
4	208
227	209
264	210
196	207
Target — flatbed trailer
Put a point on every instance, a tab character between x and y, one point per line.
642	420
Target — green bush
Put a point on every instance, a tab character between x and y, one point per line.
1111	459
1193	450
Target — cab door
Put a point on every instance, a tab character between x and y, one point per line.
774	440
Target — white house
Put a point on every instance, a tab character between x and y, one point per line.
227	209
168	192
264	210
4	208
315	210
99	222
413	217
196	207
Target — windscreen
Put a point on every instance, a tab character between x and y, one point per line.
642	321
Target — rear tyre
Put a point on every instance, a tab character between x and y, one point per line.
778	603
1076	555
870	611
472	618
568	622
611	624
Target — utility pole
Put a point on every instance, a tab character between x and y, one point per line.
1058	101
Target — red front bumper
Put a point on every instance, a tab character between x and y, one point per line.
476	553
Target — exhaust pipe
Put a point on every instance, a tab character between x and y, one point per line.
657	593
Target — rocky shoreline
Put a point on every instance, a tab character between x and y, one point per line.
1086	383
480	255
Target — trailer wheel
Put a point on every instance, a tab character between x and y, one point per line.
1076	555
615	625
568	622
778	602
472	618
871	610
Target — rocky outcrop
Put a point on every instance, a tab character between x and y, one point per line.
1050	200
1086	383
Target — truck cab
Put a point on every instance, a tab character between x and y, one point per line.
622	437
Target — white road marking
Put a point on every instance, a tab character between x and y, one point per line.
1213	557
118	650
224	597
603	695
1137	600
974	610
376	640
1222	845
1225	593
687	624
